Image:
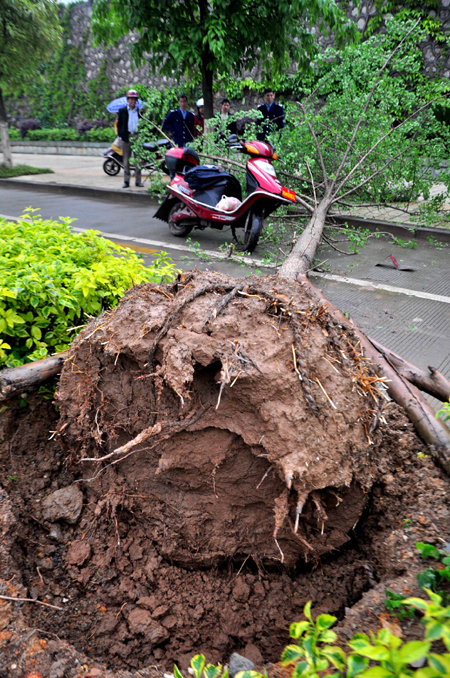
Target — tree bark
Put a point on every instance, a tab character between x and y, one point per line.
433	431
4	134
301	258
207	87
14	380
433	382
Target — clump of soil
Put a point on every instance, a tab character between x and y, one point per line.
251	416
171	551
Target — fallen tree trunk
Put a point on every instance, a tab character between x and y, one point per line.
433	431
14	380
433	382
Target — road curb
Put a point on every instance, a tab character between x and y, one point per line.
398	230
81	191
121	197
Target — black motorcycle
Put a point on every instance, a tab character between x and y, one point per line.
114	161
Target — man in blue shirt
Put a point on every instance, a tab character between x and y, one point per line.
273	115
127	124
180	123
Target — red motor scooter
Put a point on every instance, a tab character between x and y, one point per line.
186	207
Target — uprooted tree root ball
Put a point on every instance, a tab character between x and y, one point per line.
242	418
222	454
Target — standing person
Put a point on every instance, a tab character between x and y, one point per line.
226	118
273	115
180	123
127	125
199	119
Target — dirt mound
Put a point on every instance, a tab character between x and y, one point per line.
225	428
239	415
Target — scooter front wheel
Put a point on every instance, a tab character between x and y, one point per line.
253	230
111	167
178	228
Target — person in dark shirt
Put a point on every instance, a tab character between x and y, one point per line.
273	115
180	123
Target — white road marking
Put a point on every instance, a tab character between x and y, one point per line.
252	262
385	288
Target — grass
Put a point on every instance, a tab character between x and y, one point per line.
19	170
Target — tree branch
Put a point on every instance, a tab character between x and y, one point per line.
366	106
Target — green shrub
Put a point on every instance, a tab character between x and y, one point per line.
98	134
14	133
65	134
52	277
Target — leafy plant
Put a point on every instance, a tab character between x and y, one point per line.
203	670
53	277
444	412
395	604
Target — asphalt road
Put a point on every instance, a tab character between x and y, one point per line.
408	311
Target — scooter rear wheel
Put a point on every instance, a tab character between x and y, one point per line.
252	232
179	229
111	167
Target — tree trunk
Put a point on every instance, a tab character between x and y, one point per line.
4	134
207	87
301	258
433	382
16	380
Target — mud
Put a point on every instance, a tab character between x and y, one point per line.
173	552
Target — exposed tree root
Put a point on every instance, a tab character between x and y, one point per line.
433	431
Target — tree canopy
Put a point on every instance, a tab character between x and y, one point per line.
215	37
29	32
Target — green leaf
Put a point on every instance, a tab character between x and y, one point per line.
212	671
377	672
176	672
433	630
324	621
328	636
36	332
198	664
291	654
411	652
440	662
355	664
336	656
428	550
372	652
307	610
298	628
248	674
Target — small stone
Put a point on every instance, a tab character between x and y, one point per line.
140	621
239	663
79	551
56	533
160	611
64	504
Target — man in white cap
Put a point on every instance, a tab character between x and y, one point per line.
127	124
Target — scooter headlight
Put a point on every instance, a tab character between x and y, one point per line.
266	167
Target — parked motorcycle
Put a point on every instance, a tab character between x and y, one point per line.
114	161
190	205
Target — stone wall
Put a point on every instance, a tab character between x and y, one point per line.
120	73
119	66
